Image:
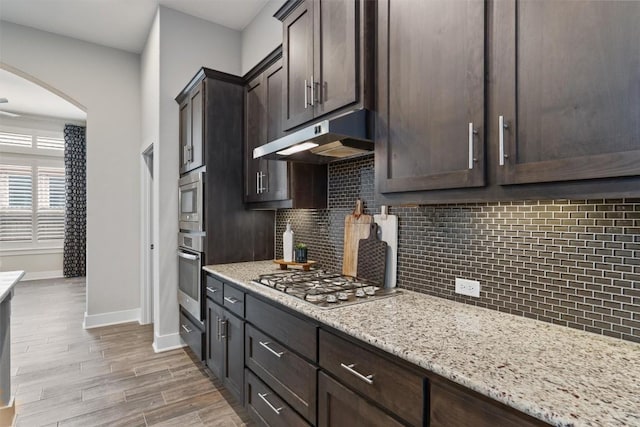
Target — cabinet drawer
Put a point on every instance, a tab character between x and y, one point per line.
191	335
454	406
339	406
266	407
293	332
233	300
289	375
214	289
397	388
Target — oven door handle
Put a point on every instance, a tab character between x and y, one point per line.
188	256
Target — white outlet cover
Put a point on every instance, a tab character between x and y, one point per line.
467	287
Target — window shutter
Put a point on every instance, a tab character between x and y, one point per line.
16	203
50	143
51	203
11	139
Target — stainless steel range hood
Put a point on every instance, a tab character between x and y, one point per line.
347	135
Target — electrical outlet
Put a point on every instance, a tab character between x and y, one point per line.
468	287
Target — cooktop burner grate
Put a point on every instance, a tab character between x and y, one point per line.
324	288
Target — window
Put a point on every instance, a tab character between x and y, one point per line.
32	189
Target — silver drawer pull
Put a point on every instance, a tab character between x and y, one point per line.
366	378
231	300
263	396
275	353
306	103
210	289
187	330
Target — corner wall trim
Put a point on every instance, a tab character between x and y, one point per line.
111	318
167	342
40	275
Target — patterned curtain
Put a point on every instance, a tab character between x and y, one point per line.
75	223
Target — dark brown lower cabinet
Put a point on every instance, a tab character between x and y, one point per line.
266	407
452	405
215	345
285	372
225	347
397	388
340	407
233	336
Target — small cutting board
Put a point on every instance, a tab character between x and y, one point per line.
372	257
356	227
389	233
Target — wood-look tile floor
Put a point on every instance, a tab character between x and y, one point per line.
64	375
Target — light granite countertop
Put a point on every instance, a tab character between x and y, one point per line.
562	376
8	279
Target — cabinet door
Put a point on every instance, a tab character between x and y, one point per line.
430	125
276	181
184	135
568	89
336	61
297	55
233	335
214	341
338	406
196	111
255	135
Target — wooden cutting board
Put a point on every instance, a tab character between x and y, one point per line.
388	225
356	227
372	257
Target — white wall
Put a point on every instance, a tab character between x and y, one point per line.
183	45
261	36
106	82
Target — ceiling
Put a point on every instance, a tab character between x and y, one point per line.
121	24
28	98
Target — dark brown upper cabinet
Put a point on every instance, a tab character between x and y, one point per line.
191	127
266	180
271	184
430	124
327	57
567	90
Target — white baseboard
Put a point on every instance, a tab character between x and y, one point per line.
39	275
167	342
112	318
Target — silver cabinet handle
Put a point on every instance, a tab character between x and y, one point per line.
223	329
218	333
502	125
185	153
275	353
187	330
472	132
231	300
312	91
191	153
188	256
305	95
366	378
210	289
257	182
263	396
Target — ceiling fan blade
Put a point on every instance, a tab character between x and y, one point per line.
3	100
8	114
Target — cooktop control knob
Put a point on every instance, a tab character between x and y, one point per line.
331	298
360	293
342	296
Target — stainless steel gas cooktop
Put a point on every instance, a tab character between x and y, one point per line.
325	289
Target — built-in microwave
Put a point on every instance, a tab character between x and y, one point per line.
190	200
190	294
